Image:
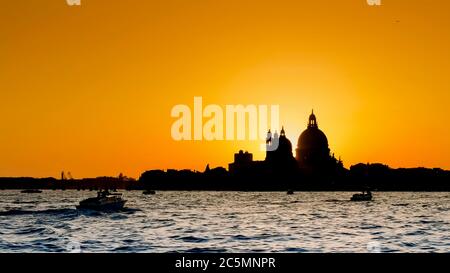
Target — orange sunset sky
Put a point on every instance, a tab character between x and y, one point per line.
89	89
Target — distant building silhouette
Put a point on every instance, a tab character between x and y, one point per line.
242	162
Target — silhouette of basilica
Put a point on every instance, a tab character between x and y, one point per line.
313	168
313	159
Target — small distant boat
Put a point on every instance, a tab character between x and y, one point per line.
362	197
104	201
148	192
31	191
290	192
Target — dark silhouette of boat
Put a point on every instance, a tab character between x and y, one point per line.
104	201
31	191
148	192
362	196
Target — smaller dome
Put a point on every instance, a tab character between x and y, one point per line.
284	144
279	148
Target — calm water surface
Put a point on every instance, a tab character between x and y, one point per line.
227	222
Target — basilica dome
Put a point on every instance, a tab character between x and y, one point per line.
312	138
312	144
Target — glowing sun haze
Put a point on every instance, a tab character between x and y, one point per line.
89	89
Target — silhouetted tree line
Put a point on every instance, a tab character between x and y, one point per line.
382	177
69	184
259	177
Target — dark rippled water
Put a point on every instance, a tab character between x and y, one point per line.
227	222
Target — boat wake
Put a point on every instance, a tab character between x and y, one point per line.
63	212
